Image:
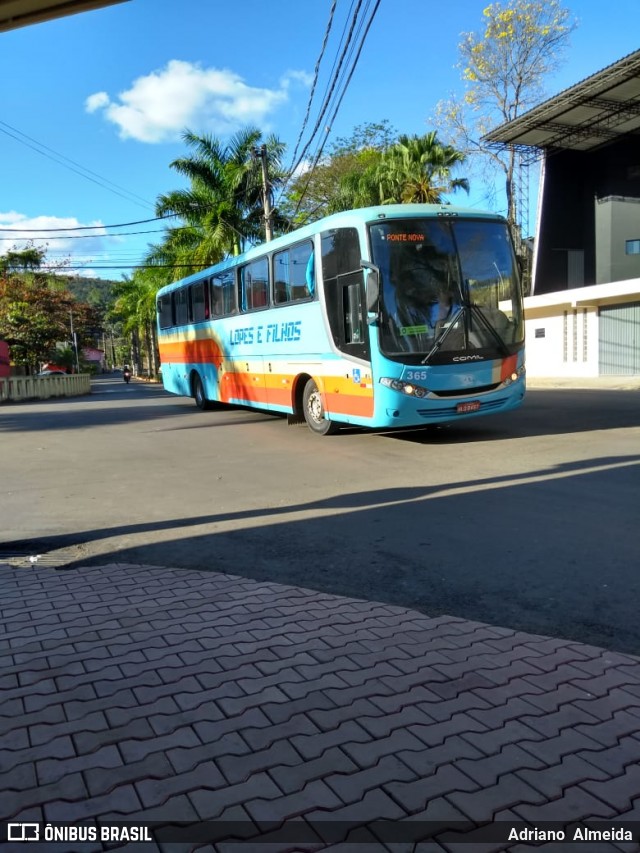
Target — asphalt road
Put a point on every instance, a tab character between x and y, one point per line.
527	520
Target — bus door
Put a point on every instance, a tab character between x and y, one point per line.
346	306
344	290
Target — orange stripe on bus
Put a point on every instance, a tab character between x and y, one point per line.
191	352
346	404
344	397
235	386
508	366
280	397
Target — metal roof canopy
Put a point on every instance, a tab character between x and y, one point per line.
22	13
590	114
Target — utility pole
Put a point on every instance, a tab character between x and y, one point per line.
74	341
266	192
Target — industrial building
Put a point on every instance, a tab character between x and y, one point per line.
583	315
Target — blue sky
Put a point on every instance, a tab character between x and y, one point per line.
108	93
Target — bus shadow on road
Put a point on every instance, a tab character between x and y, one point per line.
552	412
483	550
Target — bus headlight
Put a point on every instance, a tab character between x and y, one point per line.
408	388
514	376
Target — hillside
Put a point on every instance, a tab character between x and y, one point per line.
95	291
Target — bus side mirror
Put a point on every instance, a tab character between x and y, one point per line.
372	289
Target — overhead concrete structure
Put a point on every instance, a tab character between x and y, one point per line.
597	111
588	229
589	136
22	13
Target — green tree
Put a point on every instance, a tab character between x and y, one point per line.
35	318
503	68
358	187
135	309
22	260
379	135
221	211
416	169
341	176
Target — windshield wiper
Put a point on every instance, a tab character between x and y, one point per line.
477	312
442	337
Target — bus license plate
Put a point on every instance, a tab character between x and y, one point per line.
468	407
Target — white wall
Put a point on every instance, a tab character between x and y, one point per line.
570	347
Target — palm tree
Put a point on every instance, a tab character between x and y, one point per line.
222	208
414	169
135	306
418	169
358	188
181	252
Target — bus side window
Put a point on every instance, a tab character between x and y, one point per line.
254	285
182	312
189	291
165	311
199	305
281	275
294	273
223	294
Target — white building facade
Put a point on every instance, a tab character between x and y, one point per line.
584	332
583	319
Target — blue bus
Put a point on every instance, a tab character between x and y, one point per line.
391	316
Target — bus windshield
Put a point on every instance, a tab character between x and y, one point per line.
448	287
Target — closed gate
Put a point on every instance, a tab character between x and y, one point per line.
619	340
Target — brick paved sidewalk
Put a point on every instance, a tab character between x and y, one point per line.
140	693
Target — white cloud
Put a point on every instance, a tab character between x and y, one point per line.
160	105
96	102
302	168
54	234
301	77
9	218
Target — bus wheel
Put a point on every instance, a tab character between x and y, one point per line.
314	410
198	393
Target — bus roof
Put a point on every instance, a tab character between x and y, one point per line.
336	220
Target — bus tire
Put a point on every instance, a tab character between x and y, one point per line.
313	411
199	396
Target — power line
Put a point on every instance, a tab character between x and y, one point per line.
89	236
334	94
367	27
340	95
315	78
336	88
56	157
330	88
85	227
89	266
